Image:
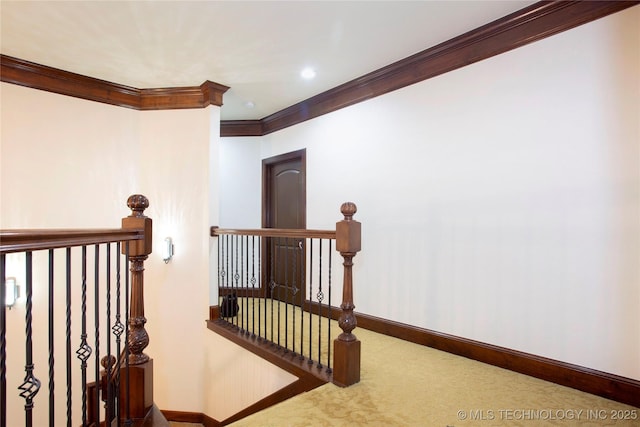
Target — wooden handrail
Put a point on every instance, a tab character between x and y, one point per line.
275	232
32	239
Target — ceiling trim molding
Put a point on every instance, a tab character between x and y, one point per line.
241	128
527	25
36	76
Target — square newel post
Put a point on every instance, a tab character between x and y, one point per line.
346	348
137	383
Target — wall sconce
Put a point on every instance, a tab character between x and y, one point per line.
167	250
12	292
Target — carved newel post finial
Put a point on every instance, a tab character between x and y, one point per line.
137	203
348	209
138	251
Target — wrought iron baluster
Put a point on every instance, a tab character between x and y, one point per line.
272	283
51	358
253	287
310	361
260	283
239	265
286	295
96	316
108	416
302	300
320	297
236	275
127	287
84	351
279	287
225	281
31	385
245	299
117	329
68	334
295	292
3	344
329	342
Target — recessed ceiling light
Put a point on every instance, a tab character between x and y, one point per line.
249	104
308	73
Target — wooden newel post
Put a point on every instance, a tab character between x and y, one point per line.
140	373
346	356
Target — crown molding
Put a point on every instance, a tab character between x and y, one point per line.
241	128
527	25
36	76
533	23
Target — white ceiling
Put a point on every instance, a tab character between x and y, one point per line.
257	48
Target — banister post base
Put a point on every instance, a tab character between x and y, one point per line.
141	391
346	362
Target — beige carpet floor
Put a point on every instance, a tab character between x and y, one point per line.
405	384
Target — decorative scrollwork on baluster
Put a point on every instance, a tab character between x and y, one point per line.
30	387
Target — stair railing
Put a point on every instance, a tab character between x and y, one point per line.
276	289
83	273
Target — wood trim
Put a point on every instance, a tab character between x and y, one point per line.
297	387
241	292
241	128
610	386
191	417
533	23
36	76
31	240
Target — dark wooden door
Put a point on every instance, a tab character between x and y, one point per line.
284	206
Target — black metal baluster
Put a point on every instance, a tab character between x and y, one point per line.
253	286
329	342
31	385
127	284
278	261
310	361
3	344
245	269
68	333
239	274
320	297
260	284
302	300
109	407
96	316
295	295
118	329
244	240
286	295
220	249
272	284
84	351
225	274
51	358
236	276
221	268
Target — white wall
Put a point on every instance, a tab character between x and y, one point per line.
240	173
69	163
500	202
